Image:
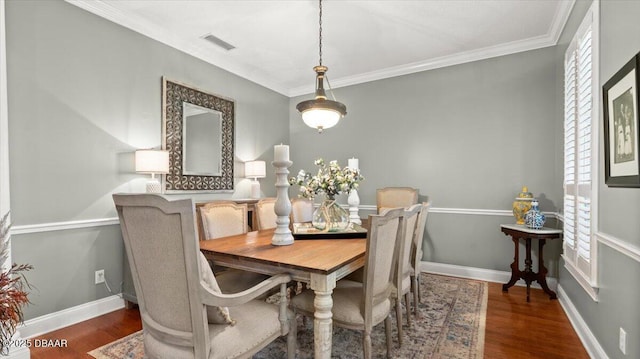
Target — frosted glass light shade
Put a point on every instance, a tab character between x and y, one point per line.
321	117
152	161
255	169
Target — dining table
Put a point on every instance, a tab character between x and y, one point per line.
318	262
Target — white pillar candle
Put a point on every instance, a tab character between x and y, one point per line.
281	153
353	163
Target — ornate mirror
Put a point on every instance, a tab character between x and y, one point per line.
198	132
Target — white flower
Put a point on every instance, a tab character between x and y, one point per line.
330	180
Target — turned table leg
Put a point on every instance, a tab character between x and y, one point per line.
515	271
542	271
323	323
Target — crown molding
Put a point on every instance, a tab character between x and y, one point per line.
436	63
103	9
549	39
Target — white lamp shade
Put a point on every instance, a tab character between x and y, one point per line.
255	169
152	161
321	117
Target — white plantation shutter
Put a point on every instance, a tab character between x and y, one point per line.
570	105
580	91
585	95
569	221
584	228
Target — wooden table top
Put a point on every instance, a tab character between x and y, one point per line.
322	256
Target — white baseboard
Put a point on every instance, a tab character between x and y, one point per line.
53	321
590	342
19	353
488	275
587	338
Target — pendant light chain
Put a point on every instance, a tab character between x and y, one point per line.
320	33
321	112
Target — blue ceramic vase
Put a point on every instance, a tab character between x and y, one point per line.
534	218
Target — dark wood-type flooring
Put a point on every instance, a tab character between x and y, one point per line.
515	329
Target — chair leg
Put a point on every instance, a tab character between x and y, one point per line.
387	329
418	289
366	344
292	337
414	284
408	305
399	320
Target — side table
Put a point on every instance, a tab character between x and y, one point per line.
517	232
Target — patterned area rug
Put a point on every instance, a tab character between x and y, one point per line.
450	325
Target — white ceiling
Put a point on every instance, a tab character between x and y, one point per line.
363	40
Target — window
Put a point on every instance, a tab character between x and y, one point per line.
581	104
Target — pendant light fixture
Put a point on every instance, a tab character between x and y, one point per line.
321	113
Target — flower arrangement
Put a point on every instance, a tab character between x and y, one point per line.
331	180
13	295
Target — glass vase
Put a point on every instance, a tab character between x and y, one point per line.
330	217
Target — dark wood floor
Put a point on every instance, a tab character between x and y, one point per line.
515	329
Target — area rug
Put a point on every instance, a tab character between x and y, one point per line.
451	325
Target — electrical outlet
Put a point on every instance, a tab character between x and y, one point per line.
623	341
100	276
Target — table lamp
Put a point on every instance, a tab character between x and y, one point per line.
152	162
255	170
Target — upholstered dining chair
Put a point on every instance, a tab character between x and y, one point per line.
183	313
266	214
416	255
394	197
223	219
301	210
361	306
403	269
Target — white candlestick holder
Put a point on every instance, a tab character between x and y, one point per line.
282	235
354	202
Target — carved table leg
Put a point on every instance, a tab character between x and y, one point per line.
323	324
542	271
527	266
515	271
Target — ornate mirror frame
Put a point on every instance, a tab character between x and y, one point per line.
174	94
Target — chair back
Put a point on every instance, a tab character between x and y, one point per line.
301	210
266	214
394	197
223	219
162	249
404	263
417	252
382	239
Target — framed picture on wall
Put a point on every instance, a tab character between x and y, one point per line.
621	130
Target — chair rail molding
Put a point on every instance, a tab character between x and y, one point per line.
619	245
98	222
469	211
61	226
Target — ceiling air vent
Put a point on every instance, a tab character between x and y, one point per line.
218	42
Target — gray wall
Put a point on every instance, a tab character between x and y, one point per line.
467	136
84	93
618	208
